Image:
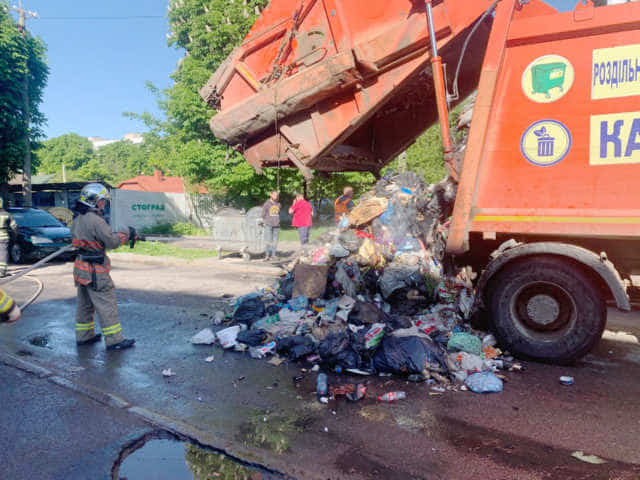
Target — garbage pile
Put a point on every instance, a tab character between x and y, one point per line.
380	297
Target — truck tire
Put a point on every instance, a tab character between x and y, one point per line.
546	308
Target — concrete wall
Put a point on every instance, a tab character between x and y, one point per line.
146	209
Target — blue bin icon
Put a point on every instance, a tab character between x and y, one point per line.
545	146
545	142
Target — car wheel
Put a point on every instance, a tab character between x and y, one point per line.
546	308
16	253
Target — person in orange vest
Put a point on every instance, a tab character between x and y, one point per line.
9	310
343	204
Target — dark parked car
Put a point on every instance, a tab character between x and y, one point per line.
39	234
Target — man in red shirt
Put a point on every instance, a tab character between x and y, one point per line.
302	212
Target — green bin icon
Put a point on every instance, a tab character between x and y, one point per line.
546	76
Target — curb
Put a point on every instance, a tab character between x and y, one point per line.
20	364
176	427
99	396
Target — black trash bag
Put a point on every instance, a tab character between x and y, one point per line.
332	345
408	355
295	347
370	281
348	358
286	286
272	309
365	313
253	338
336	349
249	311
397	321
402	306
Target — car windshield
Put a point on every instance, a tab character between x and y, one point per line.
35	218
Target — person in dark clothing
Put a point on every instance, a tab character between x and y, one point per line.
271	220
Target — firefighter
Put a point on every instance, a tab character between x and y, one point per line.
7	225
344	204
92	236
9	310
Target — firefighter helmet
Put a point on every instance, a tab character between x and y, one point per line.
91	193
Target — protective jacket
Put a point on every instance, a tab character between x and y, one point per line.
92	236
7	224
6	306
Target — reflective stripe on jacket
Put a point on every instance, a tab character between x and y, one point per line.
6	303
6	224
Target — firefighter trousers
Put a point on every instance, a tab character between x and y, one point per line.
103	303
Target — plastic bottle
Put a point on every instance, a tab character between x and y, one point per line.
392	396
322	385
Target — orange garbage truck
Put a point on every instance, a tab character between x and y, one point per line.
548	202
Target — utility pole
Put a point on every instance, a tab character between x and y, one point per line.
26	169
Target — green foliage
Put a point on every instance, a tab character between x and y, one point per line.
69	149
425	156
20	56
159	249
112	163
180	229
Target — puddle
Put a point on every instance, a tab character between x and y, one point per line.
161	456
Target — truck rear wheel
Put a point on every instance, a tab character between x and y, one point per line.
546	308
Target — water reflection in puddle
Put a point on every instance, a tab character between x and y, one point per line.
168	459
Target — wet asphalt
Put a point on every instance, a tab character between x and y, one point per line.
49	432
269	415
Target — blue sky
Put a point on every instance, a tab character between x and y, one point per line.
99	66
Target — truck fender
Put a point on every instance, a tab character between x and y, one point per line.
599	264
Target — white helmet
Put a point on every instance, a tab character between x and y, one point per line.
91	193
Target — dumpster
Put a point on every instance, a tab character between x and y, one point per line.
233	230
547	76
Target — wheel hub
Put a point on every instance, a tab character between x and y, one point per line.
543	310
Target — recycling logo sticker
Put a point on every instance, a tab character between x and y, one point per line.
545	142
547	78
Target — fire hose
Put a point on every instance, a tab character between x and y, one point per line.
132	241
27	270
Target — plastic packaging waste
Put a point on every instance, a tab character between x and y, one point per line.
465	342
298	303
374	336
204	337
322	385
262	350
392	396
484	382
218	317
228	336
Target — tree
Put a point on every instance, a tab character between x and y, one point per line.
69	149
20	56
116	162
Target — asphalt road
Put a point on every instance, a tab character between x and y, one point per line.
49	432
257	412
